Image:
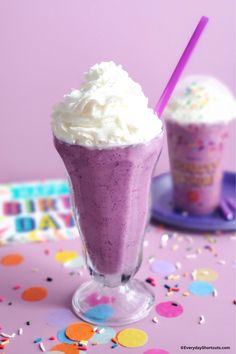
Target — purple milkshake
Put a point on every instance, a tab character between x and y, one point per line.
197	119
111	200
110	141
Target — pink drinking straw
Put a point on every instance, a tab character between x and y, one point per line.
180	66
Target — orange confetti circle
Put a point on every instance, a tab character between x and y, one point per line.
66	348
34	294
80	331
12	260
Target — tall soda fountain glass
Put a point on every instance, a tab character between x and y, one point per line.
109	141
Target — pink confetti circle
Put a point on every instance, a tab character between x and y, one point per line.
169	309
156	351
94	299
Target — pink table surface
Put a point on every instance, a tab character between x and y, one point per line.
169	334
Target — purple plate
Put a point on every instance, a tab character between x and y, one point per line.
163	211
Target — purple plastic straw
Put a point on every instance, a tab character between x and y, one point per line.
231	203
180	66
227	214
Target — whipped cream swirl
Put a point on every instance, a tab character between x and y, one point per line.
201	99
109	109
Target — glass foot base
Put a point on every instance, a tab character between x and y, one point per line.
118	306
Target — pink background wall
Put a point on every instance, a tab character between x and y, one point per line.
46	45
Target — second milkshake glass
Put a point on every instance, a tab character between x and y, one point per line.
110	191
197	123
196	161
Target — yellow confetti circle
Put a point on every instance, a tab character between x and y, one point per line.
132	338
65	256
205	274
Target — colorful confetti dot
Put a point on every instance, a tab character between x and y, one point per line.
12	260
104	337
200	288
99	313
80	331
132	337
169	309
205	274
94	299
65	348
162	267
61	336
65	256
77	262
34	294
61	318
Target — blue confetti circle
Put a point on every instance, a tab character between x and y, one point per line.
104	337
200	288
61	336
99	313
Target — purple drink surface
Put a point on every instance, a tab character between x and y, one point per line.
196	160
111	189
